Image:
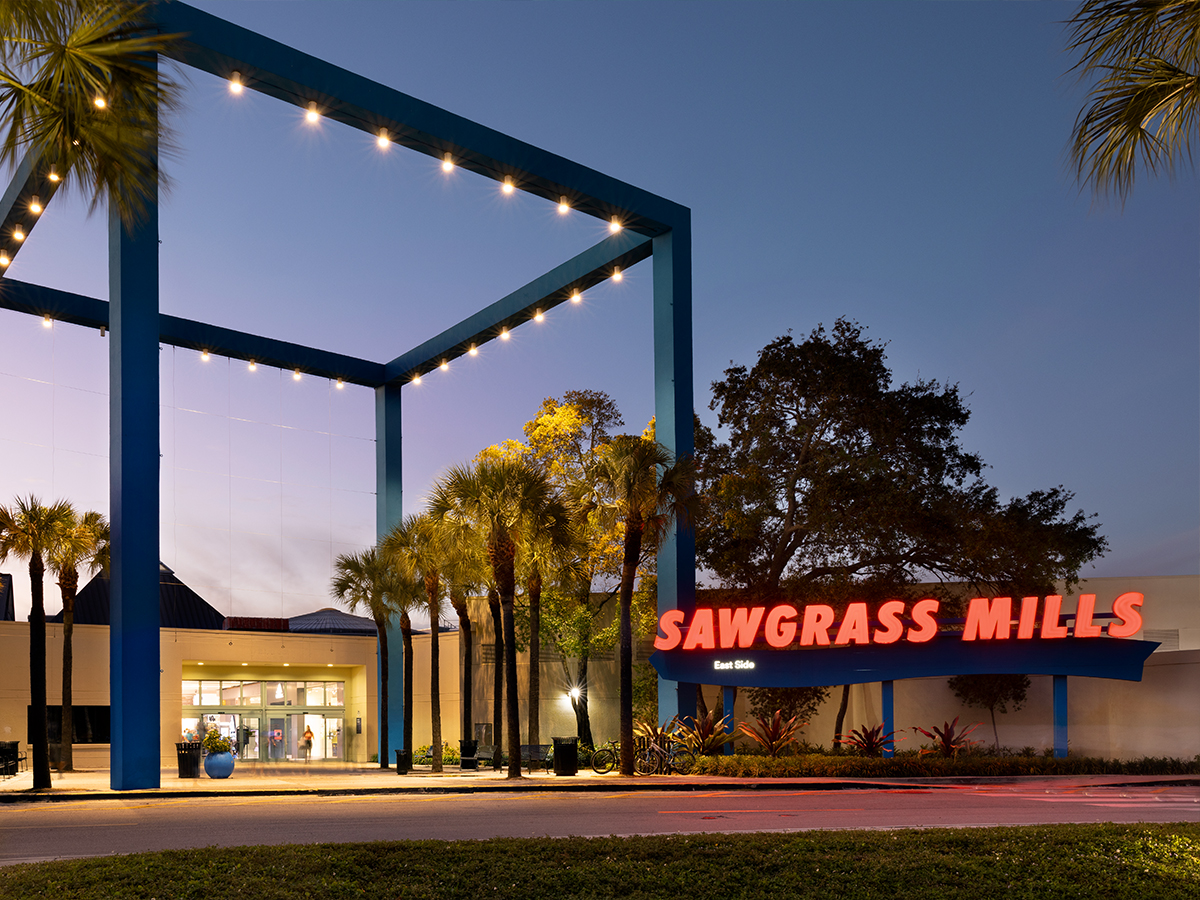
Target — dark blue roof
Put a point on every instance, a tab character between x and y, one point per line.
179	606
331	621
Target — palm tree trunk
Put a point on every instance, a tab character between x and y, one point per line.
534	589
841	716
69	585
507	602
406	637
40	740
497	679
583	720
466	672
435	678
633	549
381	630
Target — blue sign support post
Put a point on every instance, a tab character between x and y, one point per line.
389	509
1060	716
887	697
133	500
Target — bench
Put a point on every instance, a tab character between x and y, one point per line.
532	755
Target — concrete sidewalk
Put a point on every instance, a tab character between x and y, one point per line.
264	779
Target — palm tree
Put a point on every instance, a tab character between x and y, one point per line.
640	484
368	579
498	670
83	542
465	575
1146	105
80	88
29	529
514	506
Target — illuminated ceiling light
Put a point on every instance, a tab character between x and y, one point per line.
204	355
614	226
100	102
286	665
617	276
382	141
504	334
18	233
199	663
245	664
35	205
235	87
537	315
445	366
340	384
416	379
4	260
253	367
47	322
447	162
296	375
474	351
576	297
507	187
329	665
563	206
312	115
53	176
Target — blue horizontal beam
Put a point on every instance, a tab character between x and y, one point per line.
944	656
177	332
219	47
586	270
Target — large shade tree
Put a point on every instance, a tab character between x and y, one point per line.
80	87
514	506
834	482
1144	107
644	489
30	529
83	543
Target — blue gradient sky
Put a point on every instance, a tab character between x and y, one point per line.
900	164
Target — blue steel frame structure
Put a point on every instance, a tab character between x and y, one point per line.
651	227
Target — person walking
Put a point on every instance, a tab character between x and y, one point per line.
308	739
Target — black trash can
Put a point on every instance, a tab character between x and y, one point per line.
403	761
466	754
566	755
189	759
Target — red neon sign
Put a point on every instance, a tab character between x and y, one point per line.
988	619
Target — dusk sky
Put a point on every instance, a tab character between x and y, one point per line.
900	164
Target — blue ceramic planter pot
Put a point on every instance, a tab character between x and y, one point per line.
218	765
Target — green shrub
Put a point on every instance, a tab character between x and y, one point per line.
909	764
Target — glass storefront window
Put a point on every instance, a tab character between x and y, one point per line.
231	693
315	694
252	693
191	693
210	693
334	693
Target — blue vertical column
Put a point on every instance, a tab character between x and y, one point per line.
673	428
389	496
1060	716
887	696
727	701
133	465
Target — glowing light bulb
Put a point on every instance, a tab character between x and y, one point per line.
253	367
53	176
504	334
614	226
204	355
474	351
4	260
416	379
312	115
617	276
18	233
445	366
447	163
235	82
382	141
563	206
100	102
47	322
537	315
576	297
507	187
340	384
296	375
35	205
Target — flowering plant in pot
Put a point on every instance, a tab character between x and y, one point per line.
219	761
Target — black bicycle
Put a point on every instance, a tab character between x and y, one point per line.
606	757
654	760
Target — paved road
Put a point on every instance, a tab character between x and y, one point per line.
39	831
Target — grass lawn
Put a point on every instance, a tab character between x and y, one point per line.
1136	861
